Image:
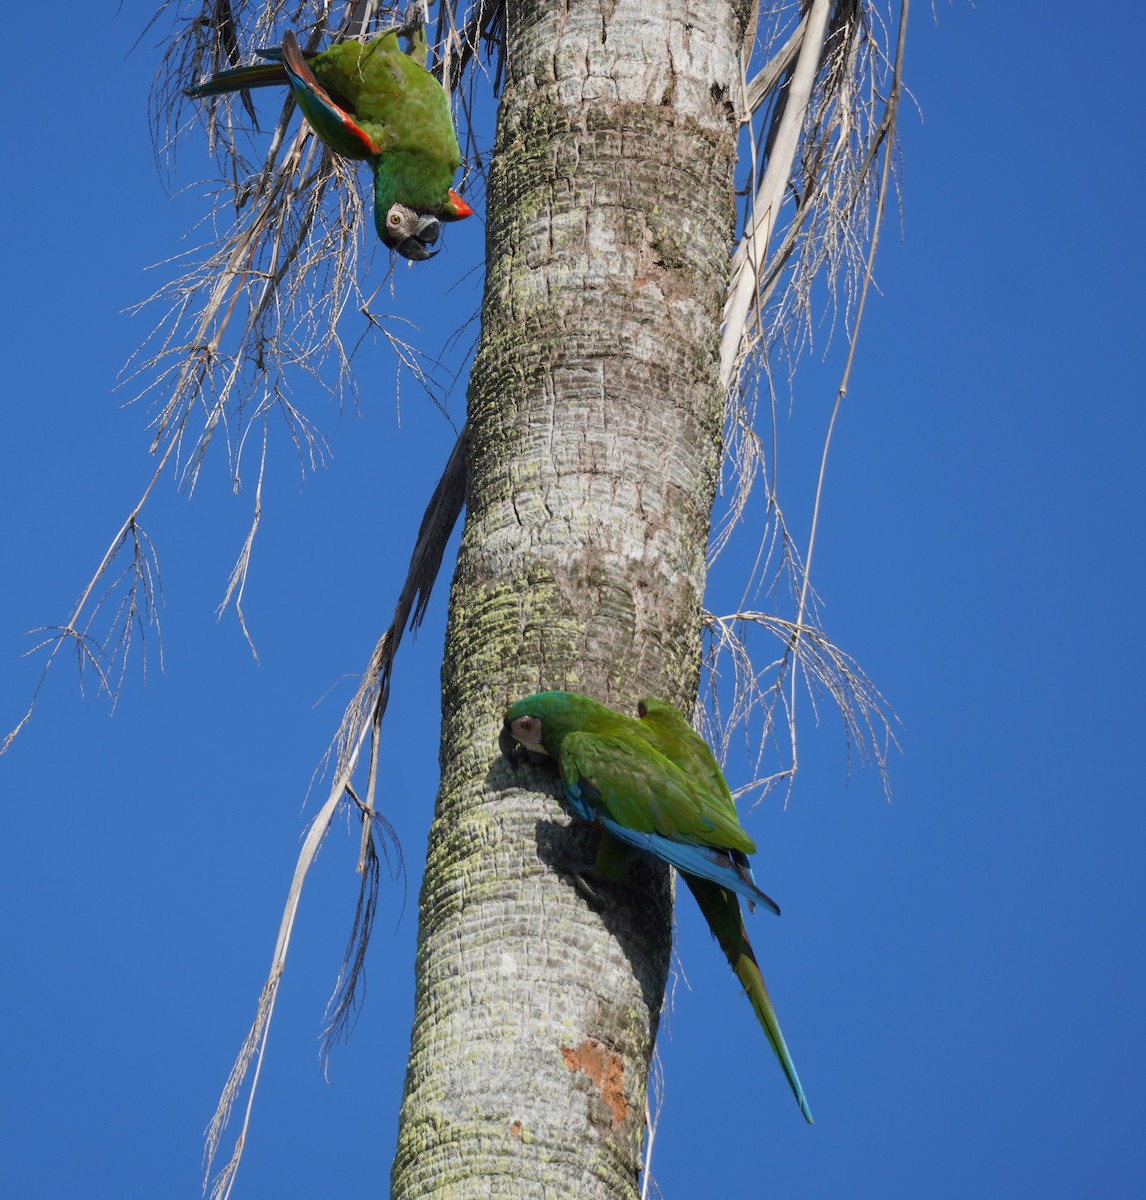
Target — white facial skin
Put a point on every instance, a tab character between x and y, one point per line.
401	222
410	233
527	732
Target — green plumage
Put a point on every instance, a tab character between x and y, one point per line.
638	785
376	102
654	784
641	793
401	108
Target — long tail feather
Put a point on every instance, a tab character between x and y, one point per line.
238	79
722	912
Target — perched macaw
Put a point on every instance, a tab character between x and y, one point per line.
654	784
376	102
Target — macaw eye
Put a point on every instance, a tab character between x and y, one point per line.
395	218
527	729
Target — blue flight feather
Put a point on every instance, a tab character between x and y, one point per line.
717	866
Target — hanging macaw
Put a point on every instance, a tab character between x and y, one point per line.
376	102
654	784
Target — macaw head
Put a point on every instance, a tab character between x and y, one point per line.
409	233
540	723
522	730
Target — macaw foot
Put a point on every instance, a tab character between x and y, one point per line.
568	860
610	867
577	872
595	900
412	19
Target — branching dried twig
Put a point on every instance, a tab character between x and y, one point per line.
828	94
345	1004
261	302
136	609
763	704
654	1104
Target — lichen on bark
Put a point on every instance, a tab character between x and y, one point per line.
594	442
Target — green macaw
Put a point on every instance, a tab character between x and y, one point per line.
654	784
376	102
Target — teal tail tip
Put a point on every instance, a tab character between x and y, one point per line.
798	1092
792	1078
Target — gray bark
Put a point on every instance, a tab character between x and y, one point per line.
594	445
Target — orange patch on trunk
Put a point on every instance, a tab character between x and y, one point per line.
605	1071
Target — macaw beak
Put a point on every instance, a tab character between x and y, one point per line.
454	208
416	246
506	742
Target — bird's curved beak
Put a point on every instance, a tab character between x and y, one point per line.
416	246
506	742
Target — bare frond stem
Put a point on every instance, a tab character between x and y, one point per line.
238	580
751	255
363	717
764	82
71	631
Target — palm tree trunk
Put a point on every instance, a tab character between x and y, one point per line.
595	419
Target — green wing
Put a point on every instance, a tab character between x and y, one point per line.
644	800
401	108
676	739
644	791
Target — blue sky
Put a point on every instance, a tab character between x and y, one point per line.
959	973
